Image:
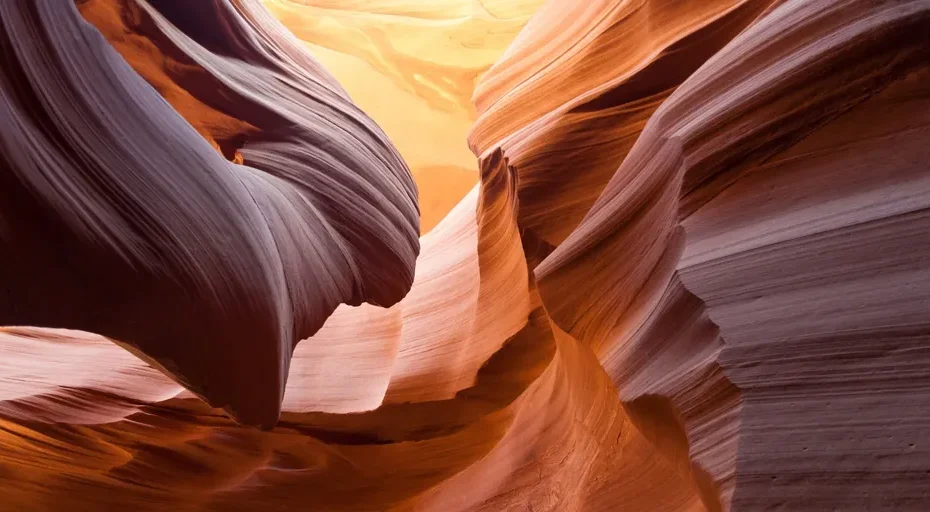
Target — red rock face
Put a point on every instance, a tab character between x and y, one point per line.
694	275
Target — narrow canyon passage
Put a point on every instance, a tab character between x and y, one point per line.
464	255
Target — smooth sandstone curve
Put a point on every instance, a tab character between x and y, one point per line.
122	220
794	76
692	277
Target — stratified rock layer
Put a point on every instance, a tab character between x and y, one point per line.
780	157
692	277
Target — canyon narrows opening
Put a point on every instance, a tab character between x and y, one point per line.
464	255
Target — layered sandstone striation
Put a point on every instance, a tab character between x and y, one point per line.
120	218
694	274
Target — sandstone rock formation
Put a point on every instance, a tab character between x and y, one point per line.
121	220
694	274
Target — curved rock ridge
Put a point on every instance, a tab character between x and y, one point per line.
567	131
779	158
693	276
539	413
119	219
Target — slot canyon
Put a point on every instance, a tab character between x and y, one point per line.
464	255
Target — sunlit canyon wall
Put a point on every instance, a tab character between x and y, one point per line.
413	66
685	264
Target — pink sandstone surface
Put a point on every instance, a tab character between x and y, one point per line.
694	273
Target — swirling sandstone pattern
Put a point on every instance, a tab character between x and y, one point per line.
778	158
121	220
694	274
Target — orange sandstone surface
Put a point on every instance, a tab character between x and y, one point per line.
685	265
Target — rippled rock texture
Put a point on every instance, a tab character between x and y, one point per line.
694	274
